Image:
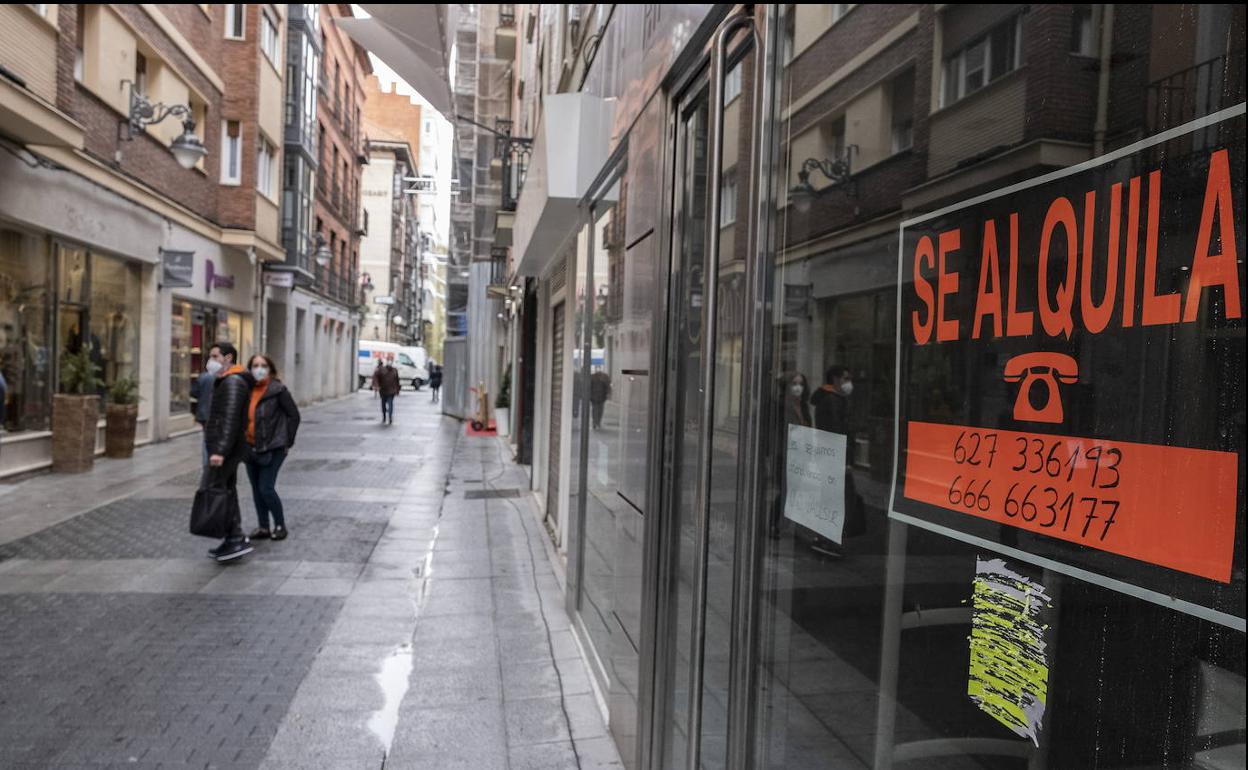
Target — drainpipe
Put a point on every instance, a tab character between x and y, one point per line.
1102	86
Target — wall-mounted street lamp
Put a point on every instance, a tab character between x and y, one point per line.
322	255
186	147
366	282
838	171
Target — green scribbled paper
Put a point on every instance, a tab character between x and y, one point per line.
1009	669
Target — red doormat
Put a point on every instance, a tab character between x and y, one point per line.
490	431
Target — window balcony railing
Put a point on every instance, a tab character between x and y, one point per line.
1191	93
506	15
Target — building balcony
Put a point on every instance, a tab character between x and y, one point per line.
498	285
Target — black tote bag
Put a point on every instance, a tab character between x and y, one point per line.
214	511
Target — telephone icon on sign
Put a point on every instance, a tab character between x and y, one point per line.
1040	369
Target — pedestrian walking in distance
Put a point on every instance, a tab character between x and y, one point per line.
201	391
386	383
272	422
226	438
435	379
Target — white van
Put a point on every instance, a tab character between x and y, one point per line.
420	360
372	351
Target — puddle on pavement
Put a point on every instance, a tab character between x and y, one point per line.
393	678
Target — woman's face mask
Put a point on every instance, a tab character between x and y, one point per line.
260	372
796	389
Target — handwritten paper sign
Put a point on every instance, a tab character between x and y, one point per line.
815	480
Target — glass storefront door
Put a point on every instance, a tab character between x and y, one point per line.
988	509
1005	507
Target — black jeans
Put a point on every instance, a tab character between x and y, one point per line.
262	472
595	412
387	407
435	389
227	471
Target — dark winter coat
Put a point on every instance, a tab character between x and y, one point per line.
831	411
226	431
435	377
277	419
386	380
201	391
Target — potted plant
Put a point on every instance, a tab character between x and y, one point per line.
120	418
502	405
75	414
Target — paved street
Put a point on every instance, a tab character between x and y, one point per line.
413	619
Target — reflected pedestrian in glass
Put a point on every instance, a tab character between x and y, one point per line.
201	391
272	423
795	396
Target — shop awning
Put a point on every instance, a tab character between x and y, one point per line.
414	40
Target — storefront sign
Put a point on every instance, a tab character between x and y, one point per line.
177	269
214	280
815	480
282	280
1067	371
383	300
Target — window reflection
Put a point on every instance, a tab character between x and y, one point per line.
866	658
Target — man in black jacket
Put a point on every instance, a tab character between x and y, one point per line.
226	440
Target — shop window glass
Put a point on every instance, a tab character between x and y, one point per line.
927	598
114	311
26	347
183	349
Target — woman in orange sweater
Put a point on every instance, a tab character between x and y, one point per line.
272	422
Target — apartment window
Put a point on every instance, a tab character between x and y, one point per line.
231	152
235	20
902	111
140	73
788	33
80	34
728	200
982	61
1085	30
266	171
833	136
269	40
732	84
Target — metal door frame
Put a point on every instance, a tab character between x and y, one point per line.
702	66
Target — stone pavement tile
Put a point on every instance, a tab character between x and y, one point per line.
323	739
453	627
471	652
536	720
327	569
454	686
77	582
456	604
573	676
449	730
37	566
445	568
465	758
563	644
388	572
118	566
524	648
21	584
167	583
371	630
301	586
362	605
353	691
231	582
532	679
543	756
585	717
358	660
601	754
